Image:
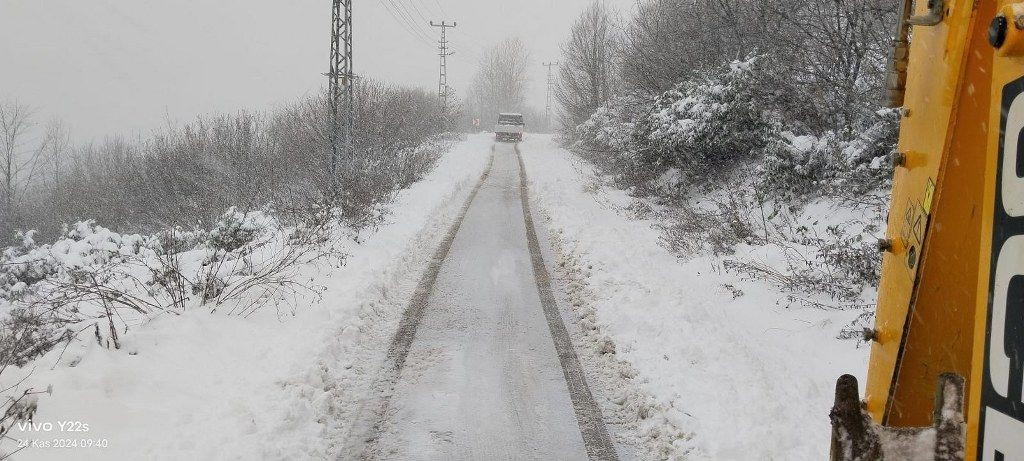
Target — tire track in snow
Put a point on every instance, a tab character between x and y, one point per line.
598	443
398	351
363	439
367	427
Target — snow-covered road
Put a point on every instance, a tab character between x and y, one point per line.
683	360
482	378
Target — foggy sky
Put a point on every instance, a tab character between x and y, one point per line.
130	66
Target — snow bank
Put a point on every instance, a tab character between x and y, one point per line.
270	386
725	357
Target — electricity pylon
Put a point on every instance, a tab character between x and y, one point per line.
340	79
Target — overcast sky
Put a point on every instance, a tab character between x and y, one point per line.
127	66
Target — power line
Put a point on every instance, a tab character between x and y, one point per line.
410	15
417	10
443	12
401	17
404	15
430	7
475	42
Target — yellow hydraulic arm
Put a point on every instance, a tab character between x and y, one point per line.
950	312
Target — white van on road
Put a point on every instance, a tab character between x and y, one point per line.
509	128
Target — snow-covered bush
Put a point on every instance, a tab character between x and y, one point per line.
788	246
725	169
810	276
730	117
84	245
370	181
20	267
98	280
708	125
410	164
869	155
795	166
807	165
703	128
610	128
236	229
606	139
852	257
716	225
177	240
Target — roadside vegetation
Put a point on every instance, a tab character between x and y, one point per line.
220	215
741	123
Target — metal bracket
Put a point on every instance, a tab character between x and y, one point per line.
896	70
936	11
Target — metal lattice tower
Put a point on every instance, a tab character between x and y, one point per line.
551	83
340	79
442	83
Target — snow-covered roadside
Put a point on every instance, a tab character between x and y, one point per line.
723	356
202	386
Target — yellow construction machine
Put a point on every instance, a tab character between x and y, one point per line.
947	355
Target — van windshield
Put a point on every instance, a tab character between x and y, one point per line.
510	119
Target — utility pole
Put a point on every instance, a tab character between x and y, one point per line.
551	83
442	83
340	79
